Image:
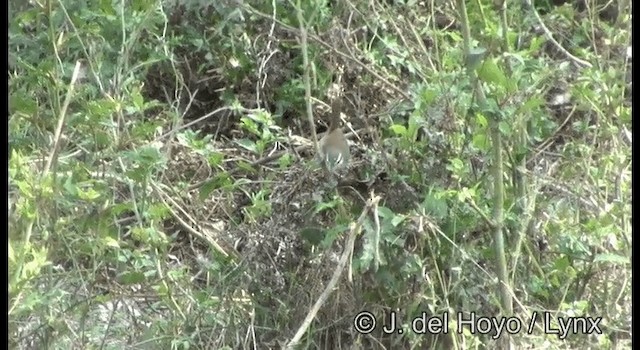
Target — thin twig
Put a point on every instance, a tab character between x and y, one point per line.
184	126
355	228
549	35
164	198
62	117
264	160
351	58
306	75
482	214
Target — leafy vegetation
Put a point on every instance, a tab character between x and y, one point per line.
164	191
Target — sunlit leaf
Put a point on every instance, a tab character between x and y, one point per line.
398	129
490	72
611	258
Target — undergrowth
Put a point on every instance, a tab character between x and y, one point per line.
164	191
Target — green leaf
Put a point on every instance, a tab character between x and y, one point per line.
416	120
476	55
70	186
107	7
481	142
219	181
490	72
148	155
100	108
247	144
158	211
146	159
611	258
324	206
131	277
624	113
89	194
481	120
505	128
428	96
562	263
22	104
490	108
142	5
397	220
466	193
121	208
457	164
398	129
536	43
110	242
250	125
214	159
385	212
39	260
531	103
246	167
138	99
285	161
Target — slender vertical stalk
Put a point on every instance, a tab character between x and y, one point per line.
307	74
497	170
505	26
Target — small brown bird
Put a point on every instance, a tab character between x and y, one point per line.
334	146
